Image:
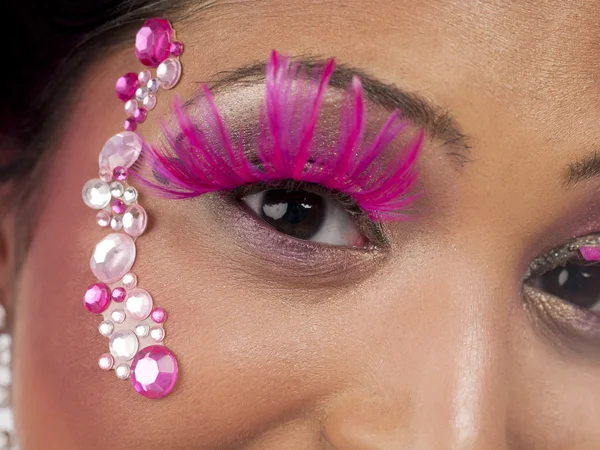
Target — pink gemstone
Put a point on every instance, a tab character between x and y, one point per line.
176	49
120	173
126	86
121	150
590	253
140	115
153	42
169	73
97	298
159	315
135	220
154	371
105	175
119	206
119	294
130	124
113	257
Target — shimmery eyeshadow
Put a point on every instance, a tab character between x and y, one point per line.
205	156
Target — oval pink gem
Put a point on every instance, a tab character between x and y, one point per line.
126	86
134	220
121	150
97	298
153	42
154	371
113	257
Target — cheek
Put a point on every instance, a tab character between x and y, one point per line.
243	365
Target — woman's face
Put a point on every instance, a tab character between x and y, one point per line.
430	344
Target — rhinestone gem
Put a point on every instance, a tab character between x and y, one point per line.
142	330
97	298
103	218
106	361
116	189
149	102
130	195
134	220
129	281
157	334
159	315
141	93
116	223
154	371
176	49
123	371
119	294
130	107
106	328
169	73
123	149
153	42
144	76
153	85
140	115
118	315
138	304
118	206
123	344
120	173
106	175
130	124
113	257
126	86
95	193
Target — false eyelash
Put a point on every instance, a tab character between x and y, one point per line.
203	157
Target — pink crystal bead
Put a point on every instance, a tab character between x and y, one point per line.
176	49
126	86
103	218
153	42
140	115
159	315
590	253
97	298
130	107
119	294
169	72
119	206
120	173
149	102
135	220
144	76
130	124
121	150
154	371
113	257
106	175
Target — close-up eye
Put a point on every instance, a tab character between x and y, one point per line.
307	216
566	274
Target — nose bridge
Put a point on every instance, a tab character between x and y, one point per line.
444	385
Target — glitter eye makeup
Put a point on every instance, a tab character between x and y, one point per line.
288	175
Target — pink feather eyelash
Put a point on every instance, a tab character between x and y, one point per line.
203	157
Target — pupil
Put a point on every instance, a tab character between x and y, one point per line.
299	214
575	284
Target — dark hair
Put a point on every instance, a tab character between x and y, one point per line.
55	43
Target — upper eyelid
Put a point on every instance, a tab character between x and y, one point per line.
561	254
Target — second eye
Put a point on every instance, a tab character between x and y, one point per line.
307	216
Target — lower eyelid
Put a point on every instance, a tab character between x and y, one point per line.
272	256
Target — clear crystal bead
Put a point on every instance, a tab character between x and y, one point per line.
142	330
103	218
118	315
130	107
130	195
116	189
153	85
134	220
149	102
95	193
122	371
116	223
141	93
144	76
169	72
157	334
106	362
123	344
129	280
106	328
138	304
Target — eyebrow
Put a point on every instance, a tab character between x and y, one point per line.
583	169
438	122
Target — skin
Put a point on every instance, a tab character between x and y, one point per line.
429	346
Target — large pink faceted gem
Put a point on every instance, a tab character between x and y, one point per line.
113	257
154	371
97	298
121	150
153	42
126	86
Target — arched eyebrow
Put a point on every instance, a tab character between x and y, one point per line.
438	122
